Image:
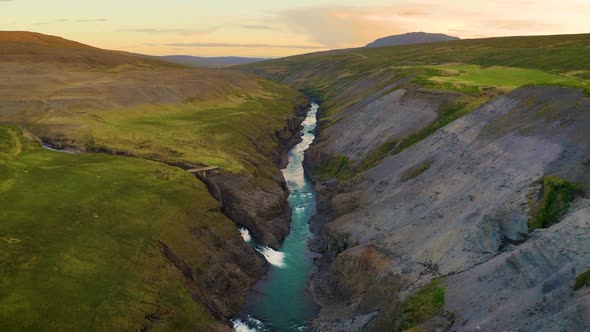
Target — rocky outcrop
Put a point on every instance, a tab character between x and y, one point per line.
469	209
265	212
232	266
261	204
389	116
529	285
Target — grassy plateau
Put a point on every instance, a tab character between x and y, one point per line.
82	229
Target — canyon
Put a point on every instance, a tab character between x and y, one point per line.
451	181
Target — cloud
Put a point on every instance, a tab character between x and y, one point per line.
89	20
516	24
63	20
349	26
336	27
258	27
173	31
237	45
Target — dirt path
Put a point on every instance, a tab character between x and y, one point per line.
18	146
360	56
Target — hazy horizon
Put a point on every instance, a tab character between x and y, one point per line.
268	29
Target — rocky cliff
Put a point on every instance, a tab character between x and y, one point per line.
451	194
261	205
456	206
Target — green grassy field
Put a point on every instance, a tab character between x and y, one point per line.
78	240
235	133
221	133
503	77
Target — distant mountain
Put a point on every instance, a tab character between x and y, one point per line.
411	38
195	61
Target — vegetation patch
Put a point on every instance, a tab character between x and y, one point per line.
583	280
504	77
425	79
333	167
415	171
558	194
313	93
417	309
377	155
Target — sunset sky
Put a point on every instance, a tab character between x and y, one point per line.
265	28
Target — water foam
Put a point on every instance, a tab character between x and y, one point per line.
250	325
276	258
245	235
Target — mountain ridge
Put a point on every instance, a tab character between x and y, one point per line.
411	38
212	62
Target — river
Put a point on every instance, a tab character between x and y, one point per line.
280	301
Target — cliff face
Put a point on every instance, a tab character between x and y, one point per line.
451	195
456	206
220	283
261	207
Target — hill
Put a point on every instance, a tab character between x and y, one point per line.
411	38
474	65
134	243
455	174
211	62
31	47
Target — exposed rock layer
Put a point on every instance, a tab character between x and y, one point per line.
462	218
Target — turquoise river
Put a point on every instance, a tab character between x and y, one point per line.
280	301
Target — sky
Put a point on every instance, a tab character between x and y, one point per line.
276	28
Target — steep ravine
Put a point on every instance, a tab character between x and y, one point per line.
390	230
279	301
263	210
253	201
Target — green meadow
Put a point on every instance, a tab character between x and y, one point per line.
233	133
503	77
78	240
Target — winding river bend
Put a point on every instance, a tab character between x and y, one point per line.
280	301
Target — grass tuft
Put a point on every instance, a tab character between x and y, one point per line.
558	194
378	154
583	280
334	167
417	309
415	171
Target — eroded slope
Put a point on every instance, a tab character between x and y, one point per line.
435	165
